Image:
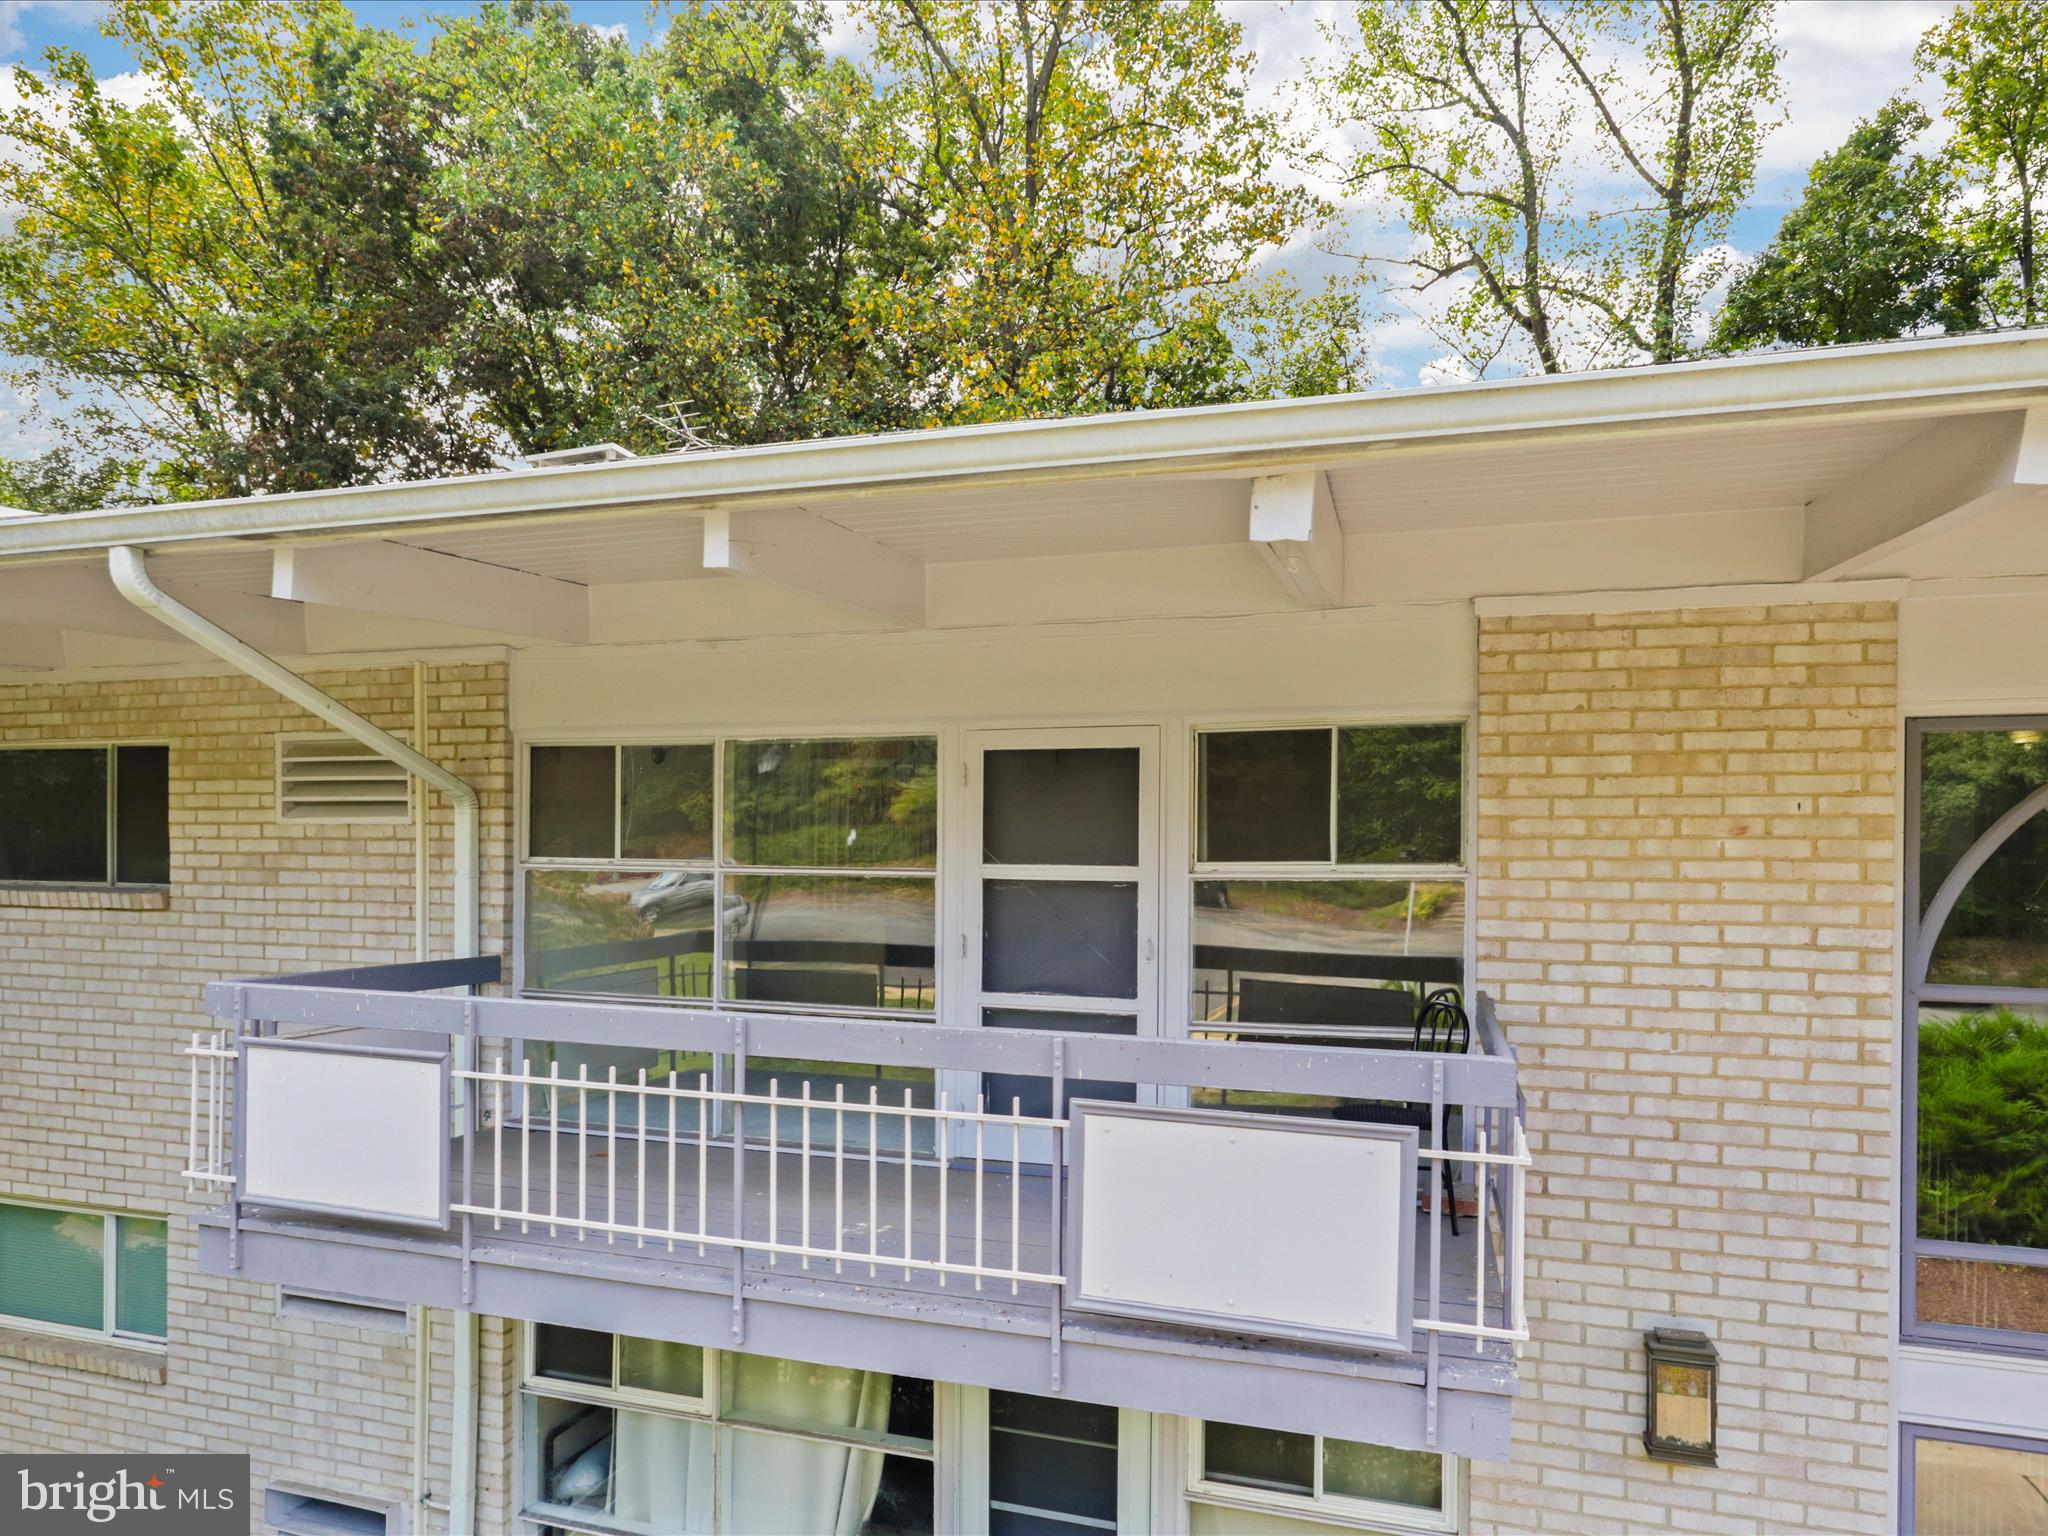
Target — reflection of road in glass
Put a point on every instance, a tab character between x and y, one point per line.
886	918
1441	934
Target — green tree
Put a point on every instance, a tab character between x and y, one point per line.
1866	255
1991	57
1103	192
1474	117
59	481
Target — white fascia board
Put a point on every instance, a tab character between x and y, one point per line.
1956	374
378	576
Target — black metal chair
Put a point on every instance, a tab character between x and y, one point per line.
1441	1025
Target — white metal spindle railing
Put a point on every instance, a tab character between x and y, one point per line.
1493	1313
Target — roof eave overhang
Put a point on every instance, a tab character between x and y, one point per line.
1904	378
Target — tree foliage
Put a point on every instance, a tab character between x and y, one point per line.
1865	255
1473	117
1983	1129
310	251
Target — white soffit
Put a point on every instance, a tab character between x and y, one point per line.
1752	467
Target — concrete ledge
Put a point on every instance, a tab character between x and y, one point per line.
124	1361
105	898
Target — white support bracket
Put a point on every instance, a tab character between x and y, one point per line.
1294	526
789	547
404	581
1936	480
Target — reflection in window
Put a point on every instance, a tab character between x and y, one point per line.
58	805
643	933
1305	1471
1264	797
1400	794
1967	1488
665	798
1352	795
830	941
870	804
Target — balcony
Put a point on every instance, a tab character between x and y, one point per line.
376	1135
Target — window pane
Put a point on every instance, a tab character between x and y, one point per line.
624	1469
1264	797
1058	806
646	933
1998	933
572	1445
142	815
833	804
53	814
50	1266
1968	779
827	1079
1051	1466
1400	793
656	1365
1381	1473
1983	1128
1273	1459
572	1354
1073	938
139	1276
1347	956
569	802
1035	1093
665	802
1963	1489
832	941
599	1061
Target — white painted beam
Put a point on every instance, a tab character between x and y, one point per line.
789	547
23	649
1294	525
83	598
1937	479
379	576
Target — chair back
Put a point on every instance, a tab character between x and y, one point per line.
1441	1024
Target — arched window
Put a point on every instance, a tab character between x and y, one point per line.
1976	1032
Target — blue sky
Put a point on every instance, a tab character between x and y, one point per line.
1843	59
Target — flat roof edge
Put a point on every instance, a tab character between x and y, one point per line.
1900	375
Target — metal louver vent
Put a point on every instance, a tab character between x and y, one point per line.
333	778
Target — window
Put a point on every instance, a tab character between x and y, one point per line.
1976	1032
642	1436
1955	1483
1329	893
85	815
776	873
1052	1466
73	1271
1241	1467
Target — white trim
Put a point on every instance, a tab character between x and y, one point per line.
1887	379
1659	599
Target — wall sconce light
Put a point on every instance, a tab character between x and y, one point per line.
1684	1381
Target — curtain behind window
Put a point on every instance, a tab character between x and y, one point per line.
774	1484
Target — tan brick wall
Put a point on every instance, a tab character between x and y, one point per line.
94	1003
1686	826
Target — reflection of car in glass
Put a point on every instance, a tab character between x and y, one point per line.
681	894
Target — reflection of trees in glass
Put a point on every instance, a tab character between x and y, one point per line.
1983	1129
1968	779
807	804
55	826
667	802
1399	794
562	910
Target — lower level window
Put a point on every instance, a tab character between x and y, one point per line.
635	1435
1321	1477
1962	1484
82	1272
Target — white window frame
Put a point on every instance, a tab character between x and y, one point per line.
1329	1508
710	1410
110	1257
717	864
112	808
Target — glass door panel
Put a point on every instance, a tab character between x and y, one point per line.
1064	900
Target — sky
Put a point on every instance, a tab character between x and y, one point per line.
1843	59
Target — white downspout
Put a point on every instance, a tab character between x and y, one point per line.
131	578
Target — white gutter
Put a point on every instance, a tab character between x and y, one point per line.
130	572
1961	373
